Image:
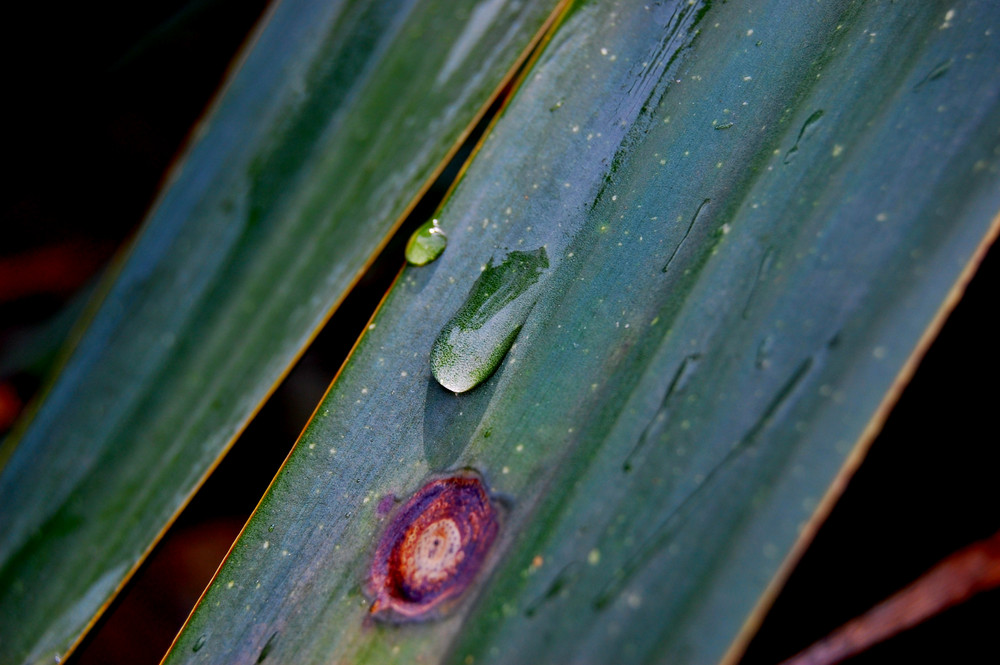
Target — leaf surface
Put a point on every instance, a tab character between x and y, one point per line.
752	213
337	117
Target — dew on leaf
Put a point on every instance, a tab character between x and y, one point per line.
426	244
808	127
762	274
935	73
662	536
654	428
694	219
764	349
471	345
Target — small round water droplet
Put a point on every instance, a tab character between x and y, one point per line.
426	244
199	643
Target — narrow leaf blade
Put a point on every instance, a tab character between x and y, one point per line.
751	212
338	116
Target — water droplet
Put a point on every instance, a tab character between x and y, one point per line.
694	219
433	548
808	127
764	349
663	535
762	273
471	345
937	72
199	643
426	244
655	426
270	528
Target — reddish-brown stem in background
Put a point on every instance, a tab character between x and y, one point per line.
952	581
54	269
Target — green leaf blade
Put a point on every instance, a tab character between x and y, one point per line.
815	291
723	315
338	116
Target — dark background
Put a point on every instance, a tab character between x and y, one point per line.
101	99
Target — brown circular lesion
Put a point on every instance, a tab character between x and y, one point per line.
432	549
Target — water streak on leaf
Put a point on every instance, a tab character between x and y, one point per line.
681	377
663	534
937	72
762	271
808	127
694	219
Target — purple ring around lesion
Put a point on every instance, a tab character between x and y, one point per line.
432	549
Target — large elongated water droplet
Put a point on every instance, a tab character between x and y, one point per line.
471	345
426	244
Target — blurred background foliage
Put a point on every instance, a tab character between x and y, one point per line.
104	95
